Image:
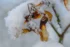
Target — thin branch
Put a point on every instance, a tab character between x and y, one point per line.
65	30
58	20
29	9
55	29
61	35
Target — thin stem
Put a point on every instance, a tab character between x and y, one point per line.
65	30
55	29
58	20
29	9
61	35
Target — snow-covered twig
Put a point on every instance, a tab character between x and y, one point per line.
58	20
61	35
65	30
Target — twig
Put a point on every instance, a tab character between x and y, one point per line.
55	29
29	9
58	20
61	35
65	30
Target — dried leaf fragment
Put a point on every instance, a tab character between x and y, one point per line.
43	35
49	15
25	31
67	4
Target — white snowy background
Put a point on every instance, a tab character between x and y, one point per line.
29	39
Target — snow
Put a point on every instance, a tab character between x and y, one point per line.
50	43
66	41
52	34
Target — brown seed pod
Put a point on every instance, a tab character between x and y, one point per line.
43	21
43	33
36	15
